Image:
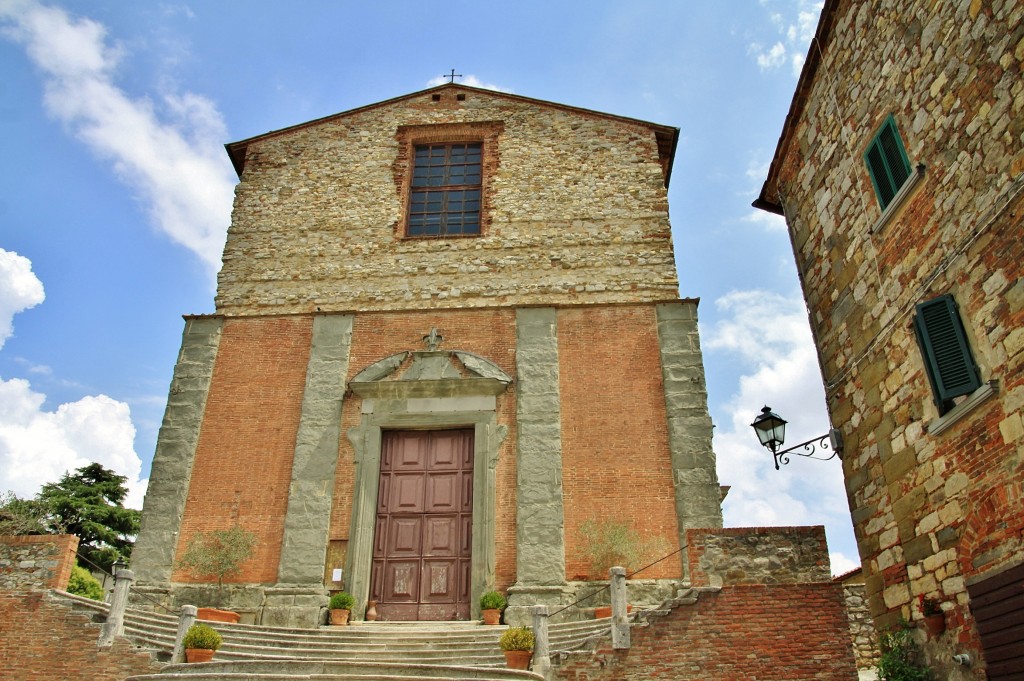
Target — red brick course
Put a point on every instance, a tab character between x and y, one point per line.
615	451
243	464
784	632
42	639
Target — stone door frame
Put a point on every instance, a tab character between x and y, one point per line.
430	404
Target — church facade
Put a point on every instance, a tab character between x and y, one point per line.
448	340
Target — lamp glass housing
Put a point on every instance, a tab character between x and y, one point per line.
770	428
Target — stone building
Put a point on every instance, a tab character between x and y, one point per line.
447	335
899	172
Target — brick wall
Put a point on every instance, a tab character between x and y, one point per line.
615	452
243	464
36	562
783	632
42	637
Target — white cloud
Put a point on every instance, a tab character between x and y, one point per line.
20	290
768	337
841	564
771	58
170	151
38	446
469	80
794	29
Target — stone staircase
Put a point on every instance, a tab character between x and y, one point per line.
364	650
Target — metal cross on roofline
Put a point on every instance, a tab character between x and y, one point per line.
452	76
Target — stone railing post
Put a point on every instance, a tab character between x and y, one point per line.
114	626
185	620
620	618
541	650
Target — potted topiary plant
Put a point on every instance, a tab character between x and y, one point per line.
201	640
341	607
491	605
517	642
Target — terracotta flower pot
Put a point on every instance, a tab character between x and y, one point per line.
518	659
606	611
339	617
215	615
198	655
935	624
491	616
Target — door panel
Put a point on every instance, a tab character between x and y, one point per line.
422	546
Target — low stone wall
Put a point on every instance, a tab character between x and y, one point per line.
36	562
757	555
862	629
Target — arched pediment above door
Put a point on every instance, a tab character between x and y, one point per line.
430	373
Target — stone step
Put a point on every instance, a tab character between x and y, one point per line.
268	670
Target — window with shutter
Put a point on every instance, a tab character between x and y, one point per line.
887	162
947	356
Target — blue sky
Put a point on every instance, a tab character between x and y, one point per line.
115	193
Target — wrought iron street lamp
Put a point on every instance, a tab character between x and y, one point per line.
771	431
117	565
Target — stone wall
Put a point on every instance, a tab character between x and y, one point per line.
757	555
36	562
862	629
575	211
935	499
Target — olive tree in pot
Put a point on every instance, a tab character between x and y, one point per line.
341	607
218	555
517	643
200	642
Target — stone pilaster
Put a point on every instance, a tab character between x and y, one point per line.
698	494
153	556
540	535
307	523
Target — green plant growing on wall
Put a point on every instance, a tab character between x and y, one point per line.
84	584
607	543
218	554
902	658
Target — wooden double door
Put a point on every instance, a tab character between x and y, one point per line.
424	526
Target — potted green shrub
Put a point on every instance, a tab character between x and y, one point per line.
491	605
201	640
341	607
517	643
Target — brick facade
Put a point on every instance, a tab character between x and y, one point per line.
935	498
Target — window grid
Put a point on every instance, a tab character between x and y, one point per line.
445	194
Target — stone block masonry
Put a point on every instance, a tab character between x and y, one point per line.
36	562
575	211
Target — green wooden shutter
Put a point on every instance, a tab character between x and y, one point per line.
887	162
947	356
